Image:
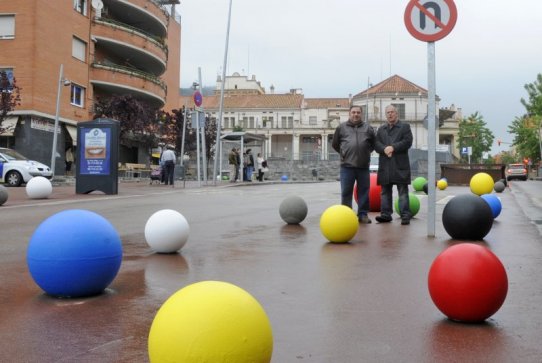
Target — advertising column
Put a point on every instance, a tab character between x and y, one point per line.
97	156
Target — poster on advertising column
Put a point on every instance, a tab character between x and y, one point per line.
95	152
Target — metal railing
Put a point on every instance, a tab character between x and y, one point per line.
132	72
159	42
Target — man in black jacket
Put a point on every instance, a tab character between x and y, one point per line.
354	141
392	143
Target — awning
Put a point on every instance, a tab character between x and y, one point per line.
8	125
72	130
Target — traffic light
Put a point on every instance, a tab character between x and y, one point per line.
499	142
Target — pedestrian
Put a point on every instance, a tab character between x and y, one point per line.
354	141
393	140
249	162
261	164
234	166
238	156
69	160
168	160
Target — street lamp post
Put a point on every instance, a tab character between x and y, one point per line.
61	82
218	149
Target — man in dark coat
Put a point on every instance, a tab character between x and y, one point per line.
354	141
393	140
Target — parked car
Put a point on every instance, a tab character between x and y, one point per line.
15	169
516	171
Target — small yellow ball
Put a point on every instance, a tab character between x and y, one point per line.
442	184
339	223
211	321
481	183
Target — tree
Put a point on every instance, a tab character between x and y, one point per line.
10	97
526	138
527	129
474	133
139	122
534	90
172	127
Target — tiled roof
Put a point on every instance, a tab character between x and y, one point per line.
327	103
394	84
274	101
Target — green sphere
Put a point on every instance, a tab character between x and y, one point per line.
413	202
418	183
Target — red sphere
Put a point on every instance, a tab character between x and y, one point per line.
374	194
468	283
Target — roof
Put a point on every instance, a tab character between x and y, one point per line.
392	85
247	137
274	101
327	103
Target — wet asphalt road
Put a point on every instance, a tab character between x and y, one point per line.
364	301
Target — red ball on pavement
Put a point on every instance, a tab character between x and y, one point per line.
374	194
468	283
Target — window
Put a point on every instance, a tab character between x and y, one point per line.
400	107
7	26
226	122
251	122
77	95
79	49
6	80
287	122
313	120
80	6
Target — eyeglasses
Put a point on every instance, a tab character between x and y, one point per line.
355	112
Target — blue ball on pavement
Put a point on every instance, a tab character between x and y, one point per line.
74	253
494	202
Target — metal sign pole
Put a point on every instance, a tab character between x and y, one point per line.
201	131
197	146
431	136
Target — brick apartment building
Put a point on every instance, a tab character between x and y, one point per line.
105	47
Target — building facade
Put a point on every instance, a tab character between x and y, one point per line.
104	47
301	128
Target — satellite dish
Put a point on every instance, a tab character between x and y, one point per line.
97	4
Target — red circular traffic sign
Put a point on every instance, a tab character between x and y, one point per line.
198	98
430	20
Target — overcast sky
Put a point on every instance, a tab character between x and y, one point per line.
330	48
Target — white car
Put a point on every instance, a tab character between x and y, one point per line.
373	167
15	169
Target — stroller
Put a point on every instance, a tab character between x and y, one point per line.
156	175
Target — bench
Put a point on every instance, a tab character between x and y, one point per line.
136	170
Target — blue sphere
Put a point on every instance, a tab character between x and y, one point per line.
74	253
494	202
284	178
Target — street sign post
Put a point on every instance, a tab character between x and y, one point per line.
429	21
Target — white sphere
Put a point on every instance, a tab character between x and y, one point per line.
39	188
166	231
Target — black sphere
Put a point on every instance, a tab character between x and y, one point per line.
426	188
467	217
499	186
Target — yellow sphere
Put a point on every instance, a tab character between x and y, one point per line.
211	321
339	223
442	184
481	183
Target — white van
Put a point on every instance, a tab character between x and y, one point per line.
15	169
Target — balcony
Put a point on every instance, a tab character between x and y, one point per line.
145	15
124	42
126	46
112	79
